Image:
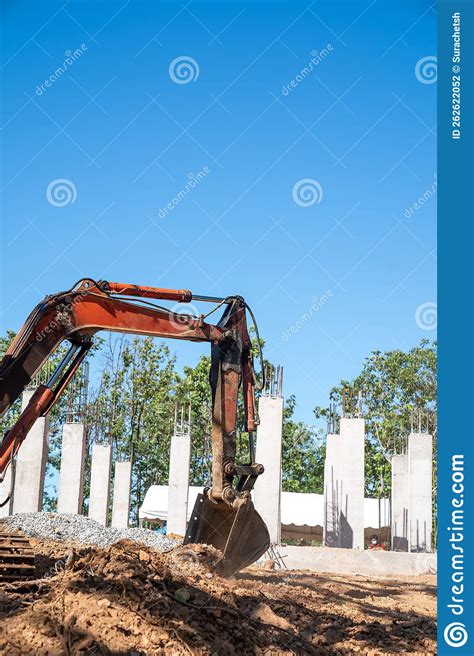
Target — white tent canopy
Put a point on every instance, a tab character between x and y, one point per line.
155	503
297	508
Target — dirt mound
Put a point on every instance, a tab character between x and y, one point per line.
132	599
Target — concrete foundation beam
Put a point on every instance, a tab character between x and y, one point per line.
180	455
100	482
354	561
71	473
121	497
344	486
31	464
267	495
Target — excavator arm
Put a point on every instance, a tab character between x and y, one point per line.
224	515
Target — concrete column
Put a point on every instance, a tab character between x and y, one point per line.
420	513
332	477
31	464
353	477
71	473
344	485
400	503
5	486
267	495
100	482
121	498
178	484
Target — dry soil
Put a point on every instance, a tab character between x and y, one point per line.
131	599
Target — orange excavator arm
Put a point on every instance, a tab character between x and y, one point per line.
89	307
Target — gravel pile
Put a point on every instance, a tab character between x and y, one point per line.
62	527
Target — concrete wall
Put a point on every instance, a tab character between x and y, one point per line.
353	561
100	482
420	460
31	464
268	452
178	484
121	498
71	474
344	485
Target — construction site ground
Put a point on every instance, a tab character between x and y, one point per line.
132	599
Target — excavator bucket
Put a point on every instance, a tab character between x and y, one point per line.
239	533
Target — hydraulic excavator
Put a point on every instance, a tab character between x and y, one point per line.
224	515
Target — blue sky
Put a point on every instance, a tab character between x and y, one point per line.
127	138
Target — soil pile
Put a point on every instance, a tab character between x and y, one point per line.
129	598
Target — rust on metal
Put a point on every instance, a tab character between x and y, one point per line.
90	306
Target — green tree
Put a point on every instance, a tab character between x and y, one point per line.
133	408
399	395
302	451
194	388
57	416
303	454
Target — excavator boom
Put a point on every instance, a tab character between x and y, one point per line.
224	515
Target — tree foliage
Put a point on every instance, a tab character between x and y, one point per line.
303	454
399	396
135	388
